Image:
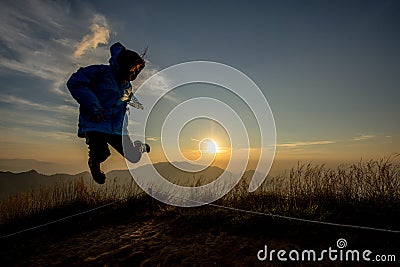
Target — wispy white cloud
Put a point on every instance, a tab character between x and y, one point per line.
39	38
38	120
299	146
363	137
18	135
20	101
99	34
307	143
28	104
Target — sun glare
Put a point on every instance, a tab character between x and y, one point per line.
209	146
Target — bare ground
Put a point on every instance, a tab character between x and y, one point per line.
173	238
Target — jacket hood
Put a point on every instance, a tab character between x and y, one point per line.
115	50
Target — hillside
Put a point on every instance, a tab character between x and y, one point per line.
14	183
313	208
205	236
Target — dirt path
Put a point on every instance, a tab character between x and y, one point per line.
148	243
152	242
173	241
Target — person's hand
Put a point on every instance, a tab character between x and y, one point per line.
136	104
97	118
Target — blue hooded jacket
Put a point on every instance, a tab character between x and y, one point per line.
97	89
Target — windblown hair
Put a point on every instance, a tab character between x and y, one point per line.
128	58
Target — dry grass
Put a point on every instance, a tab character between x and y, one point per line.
367	192
65	194
307	191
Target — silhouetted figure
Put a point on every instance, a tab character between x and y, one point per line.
103	92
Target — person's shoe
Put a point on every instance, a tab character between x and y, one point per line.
97	174
143	148
147	148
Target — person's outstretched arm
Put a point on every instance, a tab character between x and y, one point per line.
80	85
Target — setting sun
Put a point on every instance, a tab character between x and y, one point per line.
208	146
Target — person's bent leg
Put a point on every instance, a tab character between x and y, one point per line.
131	151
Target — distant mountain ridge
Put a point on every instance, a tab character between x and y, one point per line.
24	165
13	183
171	173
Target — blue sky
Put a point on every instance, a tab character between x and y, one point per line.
330	70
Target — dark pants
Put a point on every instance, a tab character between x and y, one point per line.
98	146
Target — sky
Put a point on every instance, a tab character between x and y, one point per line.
330	71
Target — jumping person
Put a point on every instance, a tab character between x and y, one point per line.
103	92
